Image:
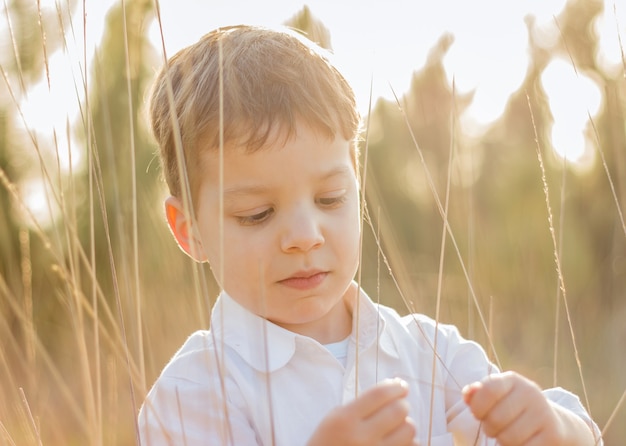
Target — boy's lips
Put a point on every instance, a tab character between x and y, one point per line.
305	280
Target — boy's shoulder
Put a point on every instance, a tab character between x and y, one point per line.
419	322
420	329
198	341
192	357
430	325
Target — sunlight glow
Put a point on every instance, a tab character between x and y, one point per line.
572	98
480	45
41	105
489	57
383	44
611	55
49	111
36	199
377	45
48	108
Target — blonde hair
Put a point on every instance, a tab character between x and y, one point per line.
270	79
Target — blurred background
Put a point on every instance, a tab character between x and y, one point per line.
506	119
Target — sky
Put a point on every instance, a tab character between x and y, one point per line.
377	45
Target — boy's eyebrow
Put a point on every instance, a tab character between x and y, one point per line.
244	190
337	171
234	192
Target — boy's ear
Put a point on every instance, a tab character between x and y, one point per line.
183	229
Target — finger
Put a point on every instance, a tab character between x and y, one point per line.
506	412
536	423
482	396
403	435
379	396
520	430
389	417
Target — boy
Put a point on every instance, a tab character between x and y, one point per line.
296	353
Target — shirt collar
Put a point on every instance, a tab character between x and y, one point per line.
249	334
267	347
371	326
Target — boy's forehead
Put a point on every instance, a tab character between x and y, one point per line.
274	145
269	137
237	155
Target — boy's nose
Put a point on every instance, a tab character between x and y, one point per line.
302	232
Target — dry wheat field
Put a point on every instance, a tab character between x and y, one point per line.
511	227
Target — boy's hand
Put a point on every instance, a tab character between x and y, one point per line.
379	416
513	410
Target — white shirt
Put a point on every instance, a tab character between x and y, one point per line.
250	382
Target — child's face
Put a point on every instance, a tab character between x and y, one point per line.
290	230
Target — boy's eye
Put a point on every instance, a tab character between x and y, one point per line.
330	202
249	220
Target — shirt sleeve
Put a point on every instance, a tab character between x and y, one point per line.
191	404
464	362
571	402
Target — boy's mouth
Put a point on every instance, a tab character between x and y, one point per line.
305	280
